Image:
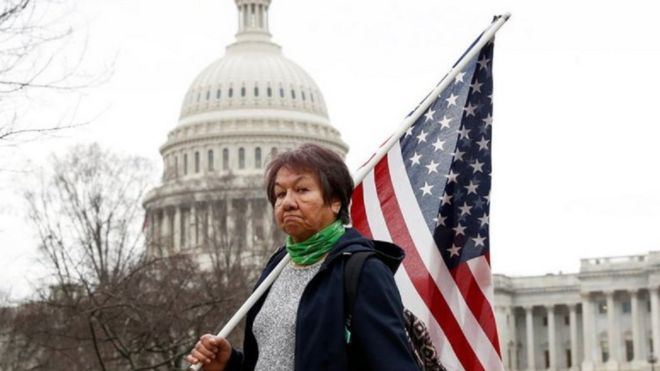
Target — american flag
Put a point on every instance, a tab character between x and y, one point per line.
430	195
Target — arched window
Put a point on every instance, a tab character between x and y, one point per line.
241	158
225	159
231	92
269	91
257	157
210	160
176	166
293	94
218	94
281	92
197	162
302	93
185	164
256	91
242	91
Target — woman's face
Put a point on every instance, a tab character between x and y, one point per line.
300	210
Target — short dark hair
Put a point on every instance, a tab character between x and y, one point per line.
330	169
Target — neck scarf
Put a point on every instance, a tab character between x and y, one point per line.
314	248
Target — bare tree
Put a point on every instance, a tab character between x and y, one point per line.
34	58
109	304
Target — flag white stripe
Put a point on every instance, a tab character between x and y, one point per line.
409	295
434	263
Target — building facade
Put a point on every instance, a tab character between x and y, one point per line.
238	112
606	317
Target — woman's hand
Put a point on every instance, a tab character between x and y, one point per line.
212	351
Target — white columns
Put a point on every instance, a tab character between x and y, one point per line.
193	234
572	309
612	331
655	320
529	322
552	348
588	332
249	221
177	229
514	341
634	318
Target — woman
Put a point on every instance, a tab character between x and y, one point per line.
299	324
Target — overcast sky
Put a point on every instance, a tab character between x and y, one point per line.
575	140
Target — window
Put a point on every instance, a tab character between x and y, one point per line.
257	157
256	91
218	94
269	91
241	158
625	306
629	350
176	166
185	164
197	162
199	96
569	359
545	321
225	159
293	94
546	356
281	93
302	94
231	92
311	97
604	351
242	91
210	160
567	320
208	95
602	307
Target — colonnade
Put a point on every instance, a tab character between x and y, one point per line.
600	332
208	224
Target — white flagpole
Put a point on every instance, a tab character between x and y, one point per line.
364	170
487	35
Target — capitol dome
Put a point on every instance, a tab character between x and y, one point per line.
238	112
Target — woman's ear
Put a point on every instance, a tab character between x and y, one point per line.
335	206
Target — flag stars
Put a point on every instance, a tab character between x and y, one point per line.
484	220
465	209
432	167
477	167
464	133
483	63
440	220
483	143
409	131
452	177
459	230
471	188
458	155
476	87
479	241
488	120
446	199
439	145
422	137
470	109
451	101
444	123
429	114
426	190
459	78
415	159
454	250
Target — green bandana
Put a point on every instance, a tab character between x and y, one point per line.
314	248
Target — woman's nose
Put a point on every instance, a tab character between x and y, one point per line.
289	201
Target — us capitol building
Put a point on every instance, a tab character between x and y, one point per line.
254	102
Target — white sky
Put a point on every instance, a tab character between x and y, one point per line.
575	113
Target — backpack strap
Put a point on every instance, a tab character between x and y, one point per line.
352	271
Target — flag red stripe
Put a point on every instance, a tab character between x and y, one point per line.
417	272
358	213
477	302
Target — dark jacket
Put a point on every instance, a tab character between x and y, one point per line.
378	340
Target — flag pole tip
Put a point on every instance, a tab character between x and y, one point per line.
506	16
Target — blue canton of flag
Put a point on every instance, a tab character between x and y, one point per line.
447	158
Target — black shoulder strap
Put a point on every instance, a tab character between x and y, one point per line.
352	275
